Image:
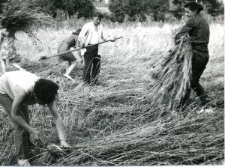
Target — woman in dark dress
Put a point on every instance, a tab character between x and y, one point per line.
198	29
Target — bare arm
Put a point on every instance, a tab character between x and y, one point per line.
16	106
59	124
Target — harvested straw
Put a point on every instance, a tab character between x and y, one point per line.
162	142
173	81
21	16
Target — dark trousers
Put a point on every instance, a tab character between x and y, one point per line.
92	65
198	66
21	137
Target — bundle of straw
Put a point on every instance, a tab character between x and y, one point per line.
21	16
162	142
173	81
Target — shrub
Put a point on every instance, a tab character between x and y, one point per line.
134	9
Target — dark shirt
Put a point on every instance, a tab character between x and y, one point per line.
198	30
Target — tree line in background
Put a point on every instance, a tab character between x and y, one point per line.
158	9
133	10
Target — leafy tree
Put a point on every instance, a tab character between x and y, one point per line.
84	8
134	9
118	10
157	8
2	5
214	7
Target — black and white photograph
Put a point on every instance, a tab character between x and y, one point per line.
111	82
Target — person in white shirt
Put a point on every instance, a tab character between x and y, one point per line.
18	89
91	34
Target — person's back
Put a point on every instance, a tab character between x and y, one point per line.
70	41
10	80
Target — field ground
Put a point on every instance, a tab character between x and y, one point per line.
114	127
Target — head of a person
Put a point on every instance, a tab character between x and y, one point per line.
192	8
97	18
45	91
77	32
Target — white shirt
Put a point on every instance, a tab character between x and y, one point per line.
92	34
11	80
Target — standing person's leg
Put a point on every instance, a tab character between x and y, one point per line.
198	66
19	139
71	66
88	61
96	68
69	57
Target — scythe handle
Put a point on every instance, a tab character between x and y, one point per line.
62	53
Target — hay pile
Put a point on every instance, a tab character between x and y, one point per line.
170	140
120	132
22	15
173	79
162	142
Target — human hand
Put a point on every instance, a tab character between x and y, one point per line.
35	139
34	135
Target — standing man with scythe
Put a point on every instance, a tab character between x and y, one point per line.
91	34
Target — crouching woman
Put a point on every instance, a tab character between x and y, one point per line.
18	89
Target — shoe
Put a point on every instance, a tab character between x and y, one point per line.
208	110
23	162
69	77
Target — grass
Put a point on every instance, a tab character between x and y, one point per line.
115	126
